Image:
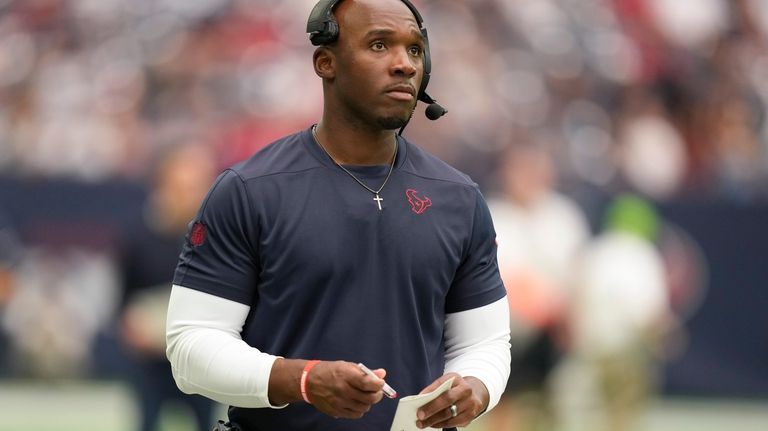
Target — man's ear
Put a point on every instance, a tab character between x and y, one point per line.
325	62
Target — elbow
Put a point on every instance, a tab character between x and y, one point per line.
181	383
171	347
173	354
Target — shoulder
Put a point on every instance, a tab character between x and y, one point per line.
425	165
285	155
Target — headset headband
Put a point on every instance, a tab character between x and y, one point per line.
323	29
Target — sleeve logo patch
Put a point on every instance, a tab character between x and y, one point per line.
197	234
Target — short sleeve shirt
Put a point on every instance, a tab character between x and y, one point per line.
328	275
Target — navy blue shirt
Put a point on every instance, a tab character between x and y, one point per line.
330	276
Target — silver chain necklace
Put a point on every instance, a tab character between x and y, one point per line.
376	197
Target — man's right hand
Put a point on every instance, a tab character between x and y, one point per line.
336	388
341	390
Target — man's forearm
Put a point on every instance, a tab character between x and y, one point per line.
477	348
285	381
207	355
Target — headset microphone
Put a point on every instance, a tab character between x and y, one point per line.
434	110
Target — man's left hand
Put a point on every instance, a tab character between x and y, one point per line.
469	396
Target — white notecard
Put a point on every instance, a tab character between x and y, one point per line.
405	415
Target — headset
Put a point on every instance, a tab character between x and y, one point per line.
323	29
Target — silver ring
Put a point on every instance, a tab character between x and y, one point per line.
454	410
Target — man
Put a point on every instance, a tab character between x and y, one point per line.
346	244
620	313
149	253
540	233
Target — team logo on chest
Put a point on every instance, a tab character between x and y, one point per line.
418	204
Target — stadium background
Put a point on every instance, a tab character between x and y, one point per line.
663	99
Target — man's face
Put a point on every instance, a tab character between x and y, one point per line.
379	61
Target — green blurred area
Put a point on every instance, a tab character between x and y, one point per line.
109	407
79	406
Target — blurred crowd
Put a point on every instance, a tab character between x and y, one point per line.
664	97
553	104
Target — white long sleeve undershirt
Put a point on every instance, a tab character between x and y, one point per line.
209	357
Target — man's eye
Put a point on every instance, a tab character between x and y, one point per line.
378	46
415	51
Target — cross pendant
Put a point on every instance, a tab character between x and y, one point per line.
378	200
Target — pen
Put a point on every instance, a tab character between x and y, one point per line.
388	391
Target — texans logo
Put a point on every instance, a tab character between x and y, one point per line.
418	205
197	234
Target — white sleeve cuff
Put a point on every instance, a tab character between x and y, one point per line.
207	353
477	345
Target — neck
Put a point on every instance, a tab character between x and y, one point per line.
350	145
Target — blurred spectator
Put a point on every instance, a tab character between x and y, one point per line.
651	149
151	249
71	290
619	312
10	251
539	232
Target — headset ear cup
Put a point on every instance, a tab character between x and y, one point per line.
320	37
321	25
329	34
332	32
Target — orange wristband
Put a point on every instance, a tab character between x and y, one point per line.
305	379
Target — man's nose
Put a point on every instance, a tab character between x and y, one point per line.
403	63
